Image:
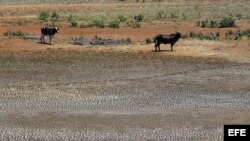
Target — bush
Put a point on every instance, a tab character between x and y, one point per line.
160	14
114	24
15	33
136	24
73	23
98	23
70	18
54	17
174	16
213	24
201	36
138	18
148	41
122	18
83	25
227	22
204	23
43	16
128	41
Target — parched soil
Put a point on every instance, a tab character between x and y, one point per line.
59	94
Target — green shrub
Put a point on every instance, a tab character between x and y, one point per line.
83	25
114	24
201	36
213	24
54	17
160	14
43	16
174	16
70	18
15	33
122	18
227	22
98	23
138	18
73	23
136	24
204	23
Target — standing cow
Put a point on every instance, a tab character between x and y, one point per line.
50	32
166	39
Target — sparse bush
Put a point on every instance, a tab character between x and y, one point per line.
201	36
122	18
139	17
136	24
54	17
148	41
184	16
43	16
160	14
70	18
114	24
227	22
98	23
213	24
73	23
239	16
174	16
83	25
204	23
128	41
15	33
19	23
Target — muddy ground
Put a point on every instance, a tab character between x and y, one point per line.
70	95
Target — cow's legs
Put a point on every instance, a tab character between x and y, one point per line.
159	47
172	47
42	38
156	46
50	39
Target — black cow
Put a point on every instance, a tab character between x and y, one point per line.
50	32
166	39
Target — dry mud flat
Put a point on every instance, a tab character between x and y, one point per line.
120	96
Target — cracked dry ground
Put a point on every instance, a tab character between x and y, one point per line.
68	95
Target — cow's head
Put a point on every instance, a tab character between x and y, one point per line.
178	34
56	29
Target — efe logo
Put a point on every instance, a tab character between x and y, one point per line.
236	132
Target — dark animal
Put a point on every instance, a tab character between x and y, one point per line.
50	32
166	39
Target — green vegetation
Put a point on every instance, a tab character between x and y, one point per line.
238	35
114	24
227	22
98	23
201	36
43	16
148	13
138	18
15	33
122	18
72	21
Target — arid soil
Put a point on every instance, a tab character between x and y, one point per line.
59	94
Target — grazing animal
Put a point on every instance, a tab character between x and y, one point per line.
50	32
166	39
